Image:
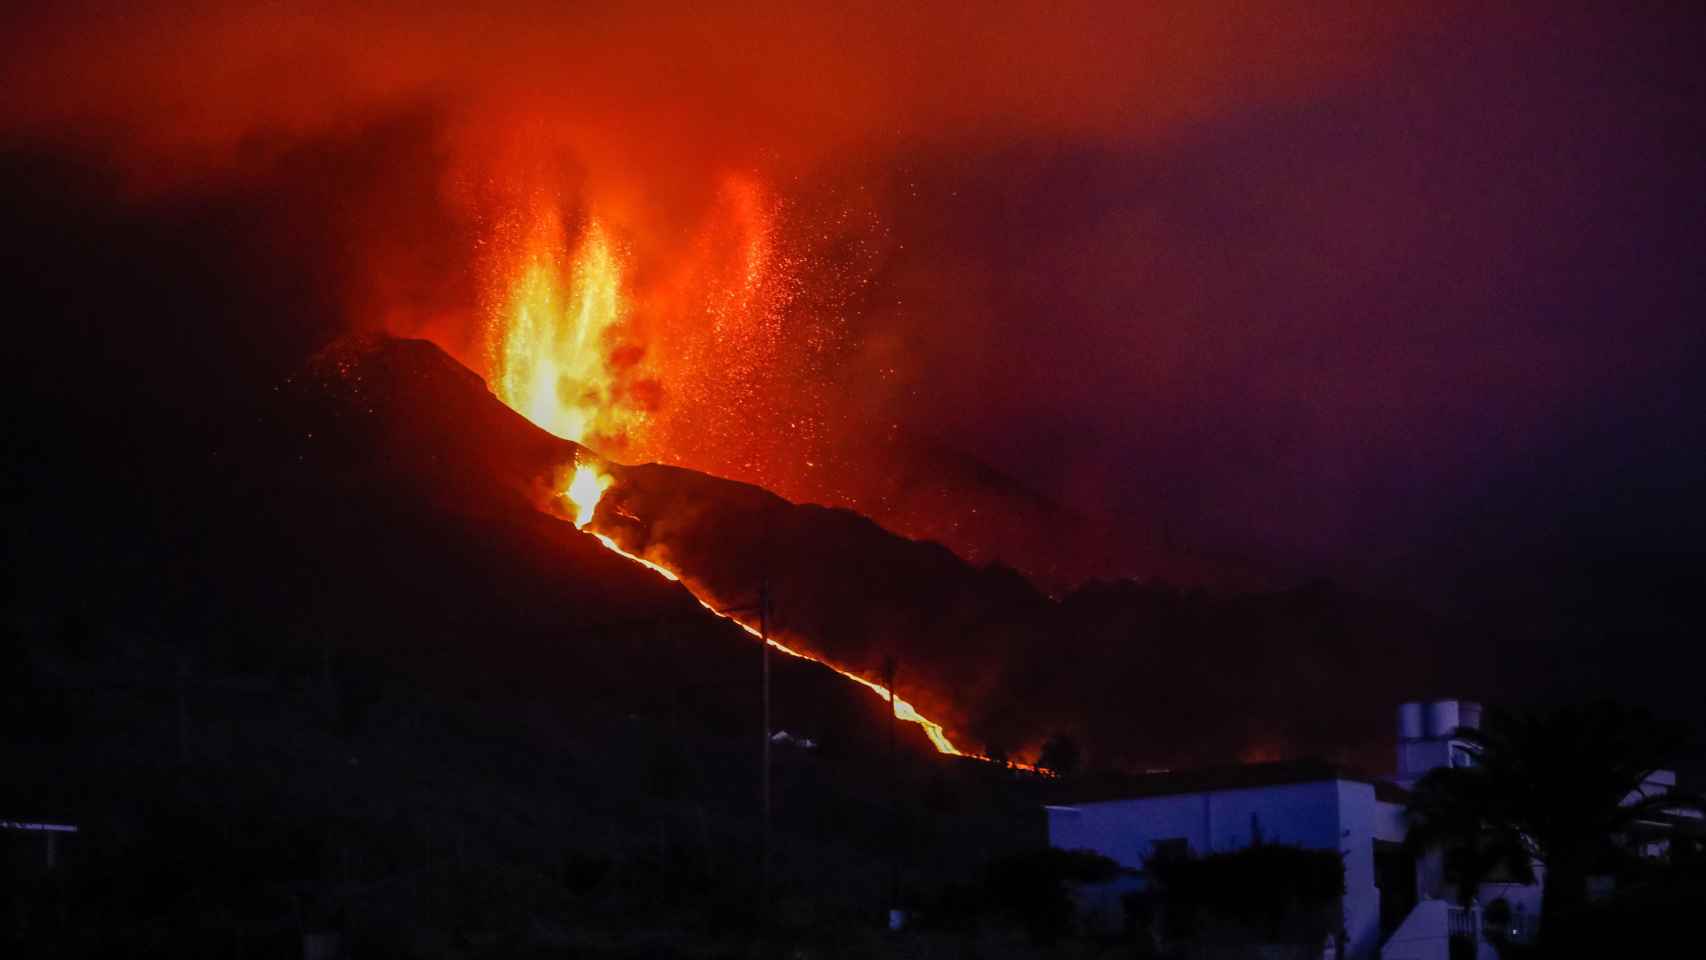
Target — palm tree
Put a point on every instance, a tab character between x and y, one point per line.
1558	789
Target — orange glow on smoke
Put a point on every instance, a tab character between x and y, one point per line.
586	487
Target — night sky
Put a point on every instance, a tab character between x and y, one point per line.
1410	299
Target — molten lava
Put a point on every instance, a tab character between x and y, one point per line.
586	487
559	351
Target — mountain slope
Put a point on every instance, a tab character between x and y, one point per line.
1140	675
447	520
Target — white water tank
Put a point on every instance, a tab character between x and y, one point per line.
1409	721
1442	718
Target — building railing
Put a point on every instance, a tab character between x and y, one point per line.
1468	925
1463	938
1461	922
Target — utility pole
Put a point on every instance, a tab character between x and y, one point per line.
183	708
763	610
764	777
896	918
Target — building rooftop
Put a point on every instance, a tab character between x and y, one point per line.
1245	776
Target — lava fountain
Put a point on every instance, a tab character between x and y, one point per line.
560	351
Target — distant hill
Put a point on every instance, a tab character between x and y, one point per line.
927	489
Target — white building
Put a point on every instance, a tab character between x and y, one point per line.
1394	907
1306	804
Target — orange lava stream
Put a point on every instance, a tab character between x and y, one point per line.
584	490
659	569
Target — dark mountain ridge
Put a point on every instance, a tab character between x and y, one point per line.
1133	672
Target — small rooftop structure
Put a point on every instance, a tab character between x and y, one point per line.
1428	736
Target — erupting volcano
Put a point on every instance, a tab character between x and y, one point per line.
562	356
497	392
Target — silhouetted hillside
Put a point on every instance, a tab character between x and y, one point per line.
1139	674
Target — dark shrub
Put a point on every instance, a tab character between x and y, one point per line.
1270	893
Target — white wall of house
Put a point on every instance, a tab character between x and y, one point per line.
1359	821
1330	814
1304	814
1339	815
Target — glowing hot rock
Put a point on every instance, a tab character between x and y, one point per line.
586	487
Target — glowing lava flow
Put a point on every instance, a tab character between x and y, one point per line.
585	488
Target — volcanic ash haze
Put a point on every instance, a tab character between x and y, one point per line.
1368	290
719	224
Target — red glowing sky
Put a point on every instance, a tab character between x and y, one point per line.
1327	288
